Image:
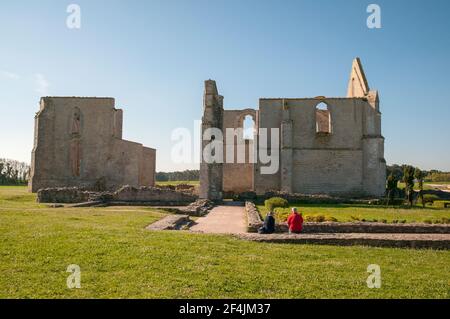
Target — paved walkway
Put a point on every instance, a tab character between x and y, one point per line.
222	220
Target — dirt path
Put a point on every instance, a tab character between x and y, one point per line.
441	187
222	220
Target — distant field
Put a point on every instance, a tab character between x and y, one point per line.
426	185
178	183
120	259
348	213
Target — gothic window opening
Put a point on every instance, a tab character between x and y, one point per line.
323	119
249	127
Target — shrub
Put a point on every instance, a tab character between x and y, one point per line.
428	199
330	219
440	203
320	218
275	202
315	219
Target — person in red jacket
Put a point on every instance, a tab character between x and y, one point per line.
295	222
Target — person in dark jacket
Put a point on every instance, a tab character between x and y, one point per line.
269	224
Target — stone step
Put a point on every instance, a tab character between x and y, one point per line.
170	222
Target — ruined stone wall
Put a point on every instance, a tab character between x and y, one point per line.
78	143
211	172
238	176
324	145
348	161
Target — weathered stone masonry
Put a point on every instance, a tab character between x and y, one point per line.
327	145
78	143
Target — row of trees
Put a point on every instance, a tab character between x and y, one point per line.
429	176
187	175
436	176
13	172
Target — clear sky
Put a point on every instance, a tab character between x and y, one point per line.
153	57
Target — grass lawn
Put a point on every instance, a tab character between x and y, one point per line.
119	258
348	213
178	183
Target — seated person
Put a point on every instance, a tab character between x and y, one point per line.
269	224
295	222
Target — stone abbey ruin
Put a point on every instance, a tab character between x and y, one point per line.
78	143
326	145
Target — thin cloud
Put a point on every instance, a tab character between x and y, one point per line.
9	75
42	84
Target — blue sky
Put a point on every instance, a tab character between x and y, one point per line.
153	57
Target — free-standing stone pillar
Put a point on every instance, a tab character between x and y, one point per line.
286	149
211	174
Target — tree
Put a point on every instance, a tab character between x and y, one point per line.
419	176
408	179
13	172
392	182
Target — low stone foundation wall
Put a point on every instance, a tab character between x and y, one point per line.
126	195
151	194
198	208
374	228
66	195
254	221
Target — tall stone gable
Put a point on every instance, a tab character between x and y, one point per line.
78	142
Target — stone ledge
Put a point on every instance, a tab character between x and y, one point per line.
170	222
254	221
416	241
374	228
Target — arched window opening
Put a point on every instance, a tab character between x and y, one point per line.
323	119
249	127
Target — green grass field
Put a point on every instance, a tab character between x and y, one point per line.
348	213
120	259
178	182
